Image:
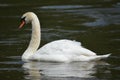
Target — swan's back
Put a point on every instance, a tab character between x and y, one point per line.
59	47
65	47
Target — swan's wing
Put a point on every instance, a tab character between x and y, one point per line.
86	52
64	51
65	47
58	46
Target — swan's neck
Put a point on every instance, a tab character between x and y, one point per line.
35	39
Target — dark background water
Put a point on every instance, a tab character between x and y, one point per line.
95	23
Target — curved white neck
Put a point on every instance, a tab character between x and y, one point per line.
35	39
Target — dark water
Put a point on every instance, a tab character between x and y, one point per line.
95	23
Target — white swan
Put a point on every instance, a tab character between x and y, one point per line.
56	51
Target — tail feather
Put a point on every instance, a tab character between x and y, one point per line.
105	56
99	57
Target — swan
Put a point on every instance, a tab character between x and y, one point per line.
56	51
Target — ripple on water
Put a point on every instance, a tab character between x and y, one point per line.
102	16
65	7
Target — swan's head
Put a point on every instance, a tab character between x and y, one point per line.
27	18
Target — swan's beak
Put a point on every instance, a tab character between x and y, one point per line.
22	24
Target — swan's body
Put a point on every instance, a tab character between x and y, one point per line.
57	51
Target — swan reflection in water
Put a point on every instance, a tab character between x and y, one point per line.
31	71
74	69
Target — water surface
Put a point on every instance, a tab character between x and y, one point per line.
96	24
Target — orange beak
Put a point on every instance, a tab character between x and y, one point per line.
22	24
